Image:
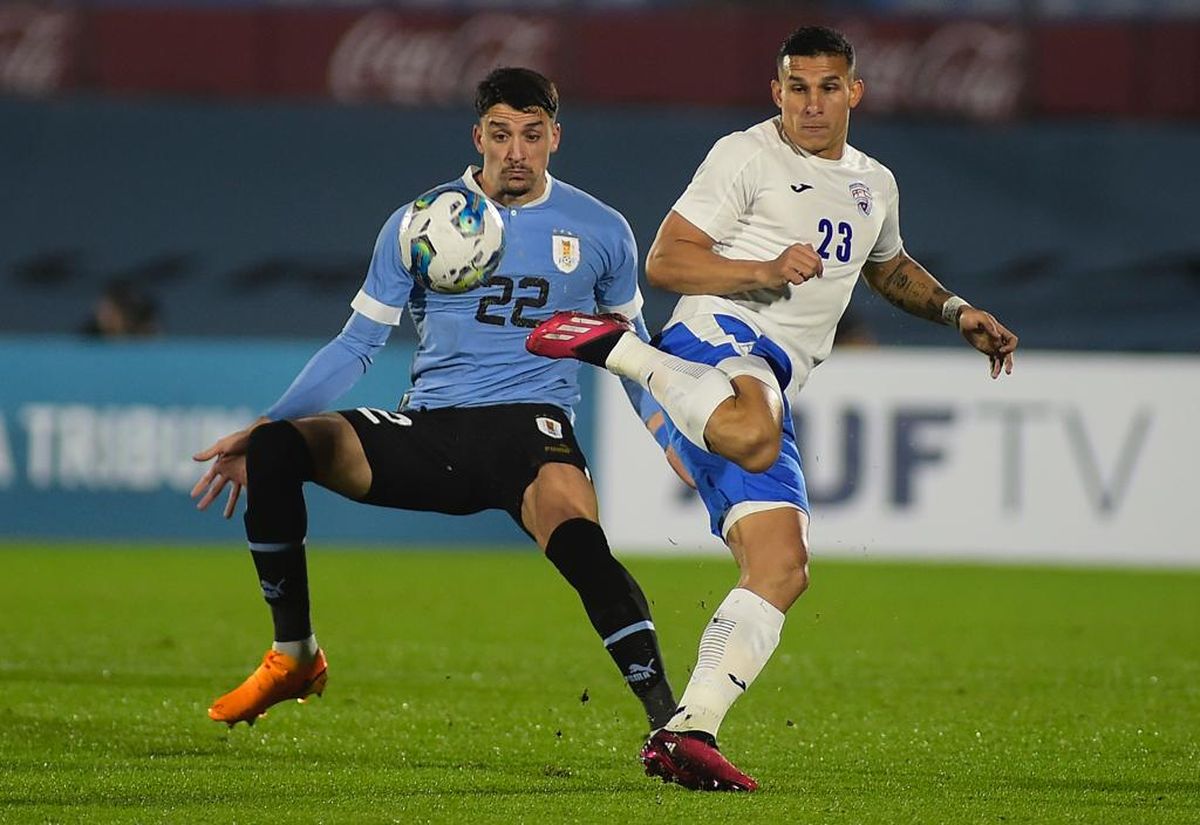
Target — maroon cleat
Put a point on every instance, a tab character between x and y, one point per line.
579	335
692	763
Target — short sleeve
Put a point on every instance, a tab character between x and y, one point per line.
617	288
889	244
388	284
722	189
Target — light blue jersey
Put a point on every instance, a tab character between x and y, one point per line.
565	250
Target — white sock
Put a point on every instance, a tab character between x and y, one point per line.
302	650
687	391
734	647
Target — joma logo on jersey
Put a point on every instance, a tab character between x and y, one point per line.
862	196
566	251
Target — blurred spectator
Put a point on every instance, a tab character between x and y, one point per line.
123	310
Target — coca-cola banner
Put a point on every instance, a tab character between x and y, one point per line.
384	55
962	68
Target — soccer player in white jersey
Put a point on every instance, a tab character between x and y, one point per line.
766	246
486	425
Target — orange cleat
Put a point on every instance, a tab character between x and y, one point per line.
277	679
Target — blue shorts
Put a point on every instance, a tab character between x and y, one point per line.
723	485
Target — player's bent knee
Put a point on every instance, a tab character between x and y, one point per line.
755	448
277	451
761	457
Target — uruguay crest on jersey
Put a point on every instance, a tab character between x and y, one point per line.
566	251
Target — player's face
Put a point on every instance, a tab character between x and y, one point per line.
516	148
815	95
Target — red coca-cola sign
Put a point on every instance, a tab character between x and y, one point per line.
386	56
959	68
36	48
966	68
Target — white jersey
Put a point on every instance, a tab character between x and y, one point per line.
756	194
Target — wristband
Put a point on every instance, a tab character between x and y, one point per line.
952	309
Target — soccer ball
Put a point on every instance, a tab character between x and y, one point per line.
451	239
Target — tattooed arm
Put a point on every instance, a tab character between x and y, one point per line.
909	286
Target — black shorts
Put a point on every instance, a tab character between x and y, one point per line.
460	460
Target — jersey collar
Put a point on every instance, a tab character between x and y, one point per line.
469	181
777	122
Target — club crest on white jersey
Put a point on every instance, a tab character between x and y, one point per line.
862	196
566	251
549	427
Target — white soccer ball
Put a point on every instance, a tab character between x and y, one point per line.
451	239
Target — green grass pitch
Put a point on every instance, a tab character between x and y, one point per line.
900	693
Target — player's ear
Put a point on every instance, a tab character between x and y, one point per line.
856	91
477	137
555	136
777	93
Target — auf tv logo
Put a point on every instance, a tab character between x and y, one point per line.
917	442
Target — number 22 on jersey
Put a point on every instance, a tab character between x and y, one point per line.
500	302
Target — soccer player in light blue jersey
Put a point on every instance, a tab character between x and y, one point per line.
486	424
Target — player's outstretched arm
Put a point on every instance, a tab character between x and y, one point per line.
682	260
228	469
909	286
327	375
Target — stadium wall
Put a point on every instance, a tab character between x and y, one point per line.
96	439
260	220
915	453
1074	458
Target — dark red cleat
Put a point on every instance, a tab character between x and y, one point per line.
692	763
579	335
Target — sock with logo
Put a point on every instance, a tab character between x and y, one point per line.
278	462
735	645
688	391
618	611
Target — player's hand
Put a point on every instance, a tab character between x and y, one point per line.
656	422
795	265
677	465
229	469
990	337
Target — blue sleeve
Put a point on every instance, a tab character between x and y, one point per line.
333	370
617	289
641	400
388	284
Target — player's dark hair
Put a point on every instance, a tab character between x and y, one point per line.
810	41
523	89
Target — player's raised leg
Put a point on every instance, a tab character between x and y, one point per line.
559	509
736	419
280	457
770	547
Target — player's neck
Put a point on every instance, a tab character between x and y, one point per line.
508	199
834	151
